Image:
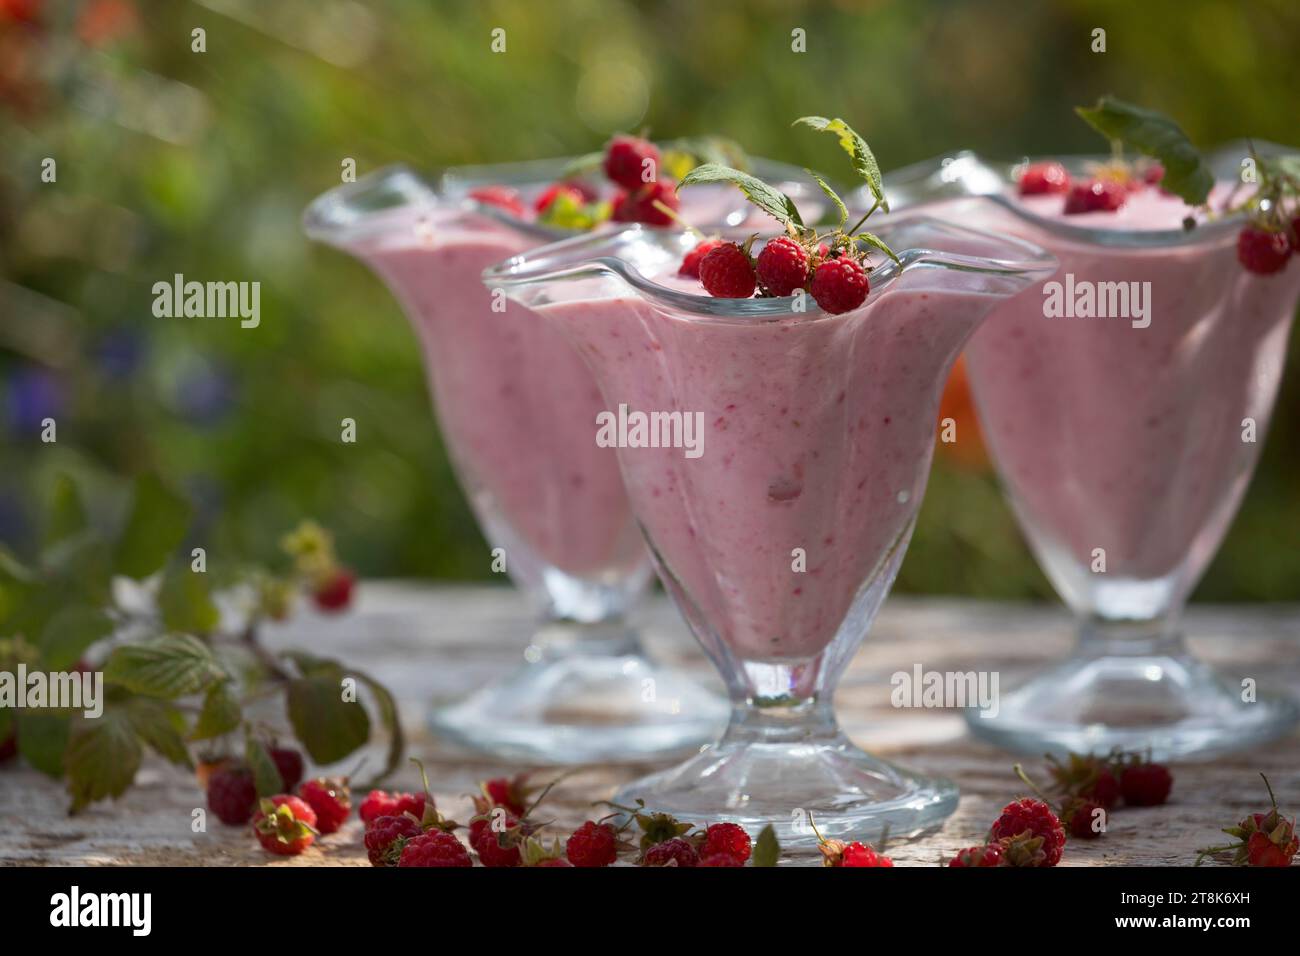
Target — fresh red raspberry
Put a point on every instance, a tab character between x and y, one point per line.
783	266
728	273
1146	784
289	762
1086	776
858	854
330	799
719	859
728	838
988	855
232	795
1049	177
674	852
579	192
435	848
1036	818
640	206
502	197
1153	174
557	861
592	844
1262	252
1078	816
631	162
386	837
840	285
380	804
1261	850
487	842
285	825
336	593
513	793
1095	195
691	261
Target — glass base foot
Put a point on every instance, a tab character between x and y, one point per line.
1168	703
851	794
584	706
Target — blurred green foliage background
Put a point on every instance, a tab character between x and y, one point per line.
201	163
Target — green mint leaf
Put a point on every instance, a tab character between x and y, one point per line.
69	632
1187	175
767	198
864	161
328	726
833	196
185	601
67	515
160	725
155	528
266	775
43	740
166	667
220	713
877	243
766	848
102	758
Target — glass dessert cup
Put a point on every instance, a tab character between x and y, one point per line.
1125	443
778	540
516	408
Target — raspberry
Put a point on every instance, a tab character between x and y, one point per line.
496	848
386	837
336	593
1095	195
640	206
691	261
511	793
592	844
289	763
1145	784
1295	234
231	794
331	799
1153	174
1024	850
1263	839
556	861
719	859
1035	818
580	194
285	825
728	273
860	855
783	266
631	162
1049	177
1262	252
435	848
1263	849
988	855
674	852
380	804
727	838
1079	814
500	196
840	285
1087	777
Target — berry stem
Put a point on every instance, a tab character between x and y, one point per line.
676	217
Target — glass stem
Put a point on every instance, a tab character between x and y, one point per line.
1153	637
558	638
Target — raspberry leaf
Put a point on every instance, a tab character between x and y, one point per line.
69	632
329	726
266	776
43	740
185	602
102	758
220	714
1151	133
767	198
167	667
833	196
766	848
155	527
159	725
67	515
864	161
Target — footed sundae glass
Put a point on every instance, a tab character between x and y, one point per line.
516	407
1125	445
778	537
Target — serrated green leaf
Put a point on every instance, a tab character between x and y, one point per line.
863	159
67	515
767	198
766	848
166	667
328	726
1151	133
871	239
221	713
185	601
833	196
43	739
266	776
102	758
69	632
160	725
155	528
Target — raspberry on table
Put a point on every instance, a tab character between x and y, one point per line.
378	804
435	848
782	266
335	594
285	825
631	162
487	842
592	844
1037	819
1146	784
330	799
728	273
289	762
232	795
1262	251
674	852
840	285
386	836
988	855
728	838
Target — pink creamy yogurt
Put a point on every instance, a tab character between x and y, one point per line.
1122	438
818	436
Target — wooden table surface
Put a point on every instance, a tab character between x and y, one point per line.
422	641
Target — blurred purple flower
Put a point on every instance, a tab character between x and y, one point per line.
32	394
120	351
205	393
